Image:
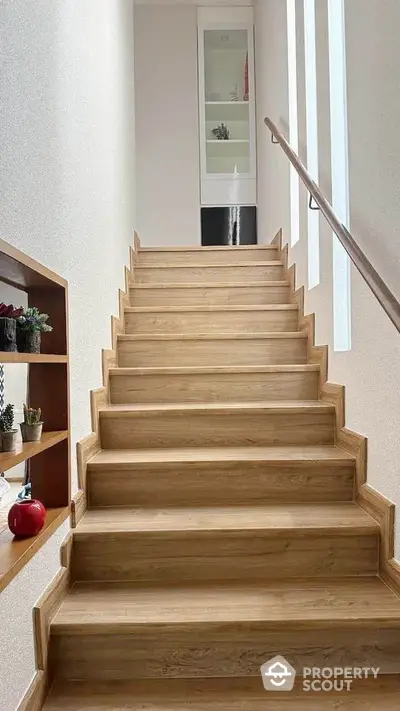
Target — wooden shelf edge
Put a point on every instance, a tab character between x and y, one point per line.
32	358
26	450
16	552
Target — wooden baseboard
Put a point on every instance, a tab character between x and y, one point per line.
78	507
36	694
379	507
88	446
48	604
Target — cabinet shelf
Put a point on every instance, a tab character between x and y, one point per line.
26	450
31	358
230	140
227	103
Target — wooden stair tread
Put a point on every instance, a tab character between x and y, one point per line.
234	335
297	519
279	406
210	248
302	456
222	369
112	608
211	265
206	308
219	694
211	285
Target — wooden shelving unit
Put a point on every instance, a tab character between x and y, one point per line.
48	388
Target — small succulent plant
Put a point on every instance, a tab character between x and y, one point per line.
10	311
32	416
7	419
32	320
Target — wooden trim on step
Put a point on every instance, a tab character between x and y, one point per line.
36	693
78	507
48	604
100	397
371	501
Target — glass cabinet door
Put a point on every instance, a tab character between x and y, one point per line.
226	101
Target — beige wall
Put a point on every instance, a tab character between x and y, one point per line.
67	199
371	369
168	191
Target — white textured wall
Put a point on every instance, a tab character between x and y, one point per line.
371	369
67	199
167	142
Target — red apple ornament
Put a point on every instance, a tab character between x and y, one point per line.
26	518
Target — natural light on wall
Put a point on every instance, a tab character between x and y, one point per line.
293	121
312	136
340	172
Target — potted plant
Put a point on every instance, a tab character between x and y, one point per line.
31	427
8	433
30	326
8	327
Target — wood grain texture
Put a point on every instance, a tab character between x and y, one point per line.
220	476
36	694
190	274
212	294
114	631
78	507
178	350
226	543
211	319
206	255
224	384
216	424
233	694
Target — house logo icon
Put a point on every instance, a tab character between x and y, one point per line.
278	675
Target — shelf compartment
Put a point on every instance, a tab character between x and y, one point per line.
31	358
26	450
16	552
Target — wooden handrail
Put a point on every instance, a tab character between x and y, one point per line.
375	282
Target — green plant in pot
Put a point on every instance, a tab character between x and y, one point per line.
31	427
8	432
30	326
8	327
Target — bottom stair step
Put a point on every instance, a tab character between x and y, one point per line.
122	631
219	695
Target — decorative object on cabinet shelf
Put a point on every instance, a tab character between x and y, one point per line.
26	492
221	132
8	432
246	78
234	94
8	327
31	427
30	326
26	518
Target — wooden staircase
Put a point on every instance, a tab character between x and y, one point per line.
222	527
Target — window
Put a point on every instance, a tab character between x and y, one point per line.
293	121
312	136
340	172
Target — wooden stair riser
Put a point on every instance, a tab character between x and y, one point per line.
204	274
219	484
276	319
208	295
186	428
213	387
193	651
203	255
186	556
211	352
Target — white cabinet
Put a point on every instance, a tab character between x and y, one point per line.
227	106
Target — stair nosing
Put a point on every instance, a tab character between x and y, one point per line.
211	308
210	370
234	335
221	408
212	285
